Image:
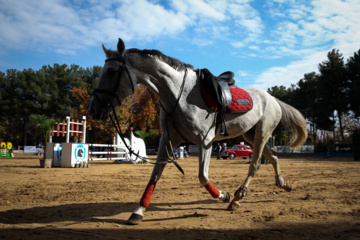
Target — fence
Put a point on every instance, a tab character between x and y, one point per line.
287	150
70	128
94	154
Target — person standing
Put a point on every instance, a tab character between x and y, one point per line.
218	150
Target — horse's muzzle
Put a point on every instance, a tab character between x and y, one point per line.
97	110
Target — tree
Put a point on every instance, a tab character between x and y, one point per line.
43	124
303	97
280	92
21	92
333	88
147	136
103	131
61	79
46	91
145	108
353	74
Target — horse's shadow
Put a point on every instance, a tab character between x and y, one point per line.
89	212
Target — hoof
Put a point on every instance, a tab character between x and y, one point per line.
135	219
233	206
287	187
227	197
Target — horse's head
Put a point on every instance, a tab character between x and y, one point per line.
115	83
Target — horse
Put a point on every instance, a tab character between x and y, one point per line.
184	116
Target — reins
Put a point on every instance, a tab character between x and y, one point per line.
178	98
116	124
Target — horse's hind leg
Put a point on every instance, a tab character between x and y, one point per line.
271	156
258	138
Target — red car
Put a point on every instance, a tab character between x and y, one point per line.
240	150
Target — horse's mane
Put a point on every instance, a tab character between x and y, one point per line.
173	62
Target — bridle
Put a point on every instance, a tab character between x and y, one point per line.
113	93
114	118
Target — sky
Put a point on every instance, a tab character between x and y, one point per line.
265	43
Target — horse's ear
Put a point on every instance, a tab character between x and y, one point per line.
105	51
121	47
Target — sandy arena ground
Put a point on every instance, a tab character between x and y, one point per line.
94	203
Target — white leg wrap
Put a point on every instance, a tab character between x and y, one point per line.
222	196
140	210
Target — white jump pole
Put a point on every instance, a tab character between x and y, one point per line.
67	129
84	129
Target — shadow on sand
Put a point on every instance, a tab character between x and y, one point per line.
41	221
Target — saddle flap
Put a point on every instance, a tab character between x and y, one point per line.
218	87
226	96
210	85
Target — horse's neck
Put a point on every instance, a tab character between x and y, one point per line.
160	78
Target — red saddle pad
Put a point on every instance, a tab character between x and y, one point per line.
241	101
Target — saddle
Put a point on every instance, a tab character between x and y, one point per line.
217	91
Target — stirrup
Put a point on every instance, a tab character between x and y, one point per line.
224	132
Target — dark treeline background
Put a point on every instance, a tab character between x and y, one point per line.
46	91
329	100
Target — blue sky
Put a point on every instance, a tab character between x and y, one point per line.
265	43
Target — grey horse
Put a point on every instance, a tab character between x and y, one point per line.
185	116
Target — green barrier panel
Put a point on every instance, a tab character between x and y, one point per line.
6	149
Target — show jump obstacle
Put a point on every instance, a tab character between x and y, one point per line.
79	154
70	127
6	149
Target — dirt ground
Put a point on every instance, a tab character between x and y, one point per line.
95	202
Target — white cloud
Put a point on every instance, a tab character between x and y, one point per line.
289	74
298	13
23	23
242	73
198	9
66	51
142	19
322	24
342	21
238	44
246	17
201	42
307	34
287	29
248	25
68	24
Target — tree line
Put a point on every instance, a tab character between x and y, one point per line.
57	91
329	100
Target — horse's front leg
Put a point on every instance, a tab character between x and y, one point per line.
204	161
241	192
138	214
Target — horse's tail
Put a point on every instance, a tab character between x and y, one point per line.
293	120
